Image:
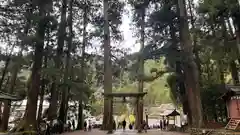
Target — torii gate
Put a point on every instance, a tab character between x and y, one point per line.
139	103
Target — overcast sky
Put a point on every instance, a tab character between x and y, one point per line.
129	41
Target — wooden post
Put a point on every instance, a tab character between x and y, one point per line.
110	122
137	114
140	114
146	114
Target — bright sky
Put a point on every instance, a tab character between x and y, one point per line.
129	40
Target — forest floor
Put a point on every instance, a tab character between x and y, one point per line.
128	132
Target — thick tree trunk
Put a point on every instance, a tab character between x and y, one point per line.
43	81
180	76
5	118
107	119
65	92
4	70
80	116
7	103
195	49
190	69
182	89
63	108
83	74
193	97
105	115
30	112
40	107
221	61
61	39
141	70
236	21
181	79
53	102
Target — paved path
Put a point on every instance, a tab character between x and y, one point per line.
128	132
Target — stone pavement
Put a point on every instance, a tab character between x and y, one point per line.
127	132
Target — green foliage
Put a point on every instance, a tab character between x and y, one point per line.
213	105
52	72
96	108
172	85
157	91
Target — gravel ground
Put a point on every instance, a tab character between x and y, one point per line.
128	132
